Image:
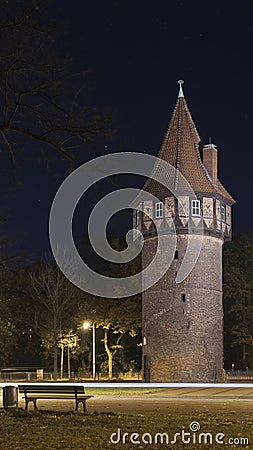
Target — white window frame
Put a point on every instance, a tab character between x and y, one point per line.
223	213
137	217
195	207
159	210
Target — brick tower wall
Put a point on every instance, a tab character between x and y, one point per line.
183	323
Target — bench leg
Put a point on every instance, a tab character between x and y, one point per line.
83	401
34	400
84	406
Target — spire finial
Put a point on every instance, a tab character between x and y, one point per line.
180	94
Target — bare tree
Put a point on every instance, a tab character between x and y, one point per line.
40	98
7	326
58	298
69	340
112	350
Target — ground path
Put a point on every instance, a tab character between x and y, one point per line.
173	400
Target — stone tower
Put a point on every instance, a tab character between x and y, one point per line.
183	322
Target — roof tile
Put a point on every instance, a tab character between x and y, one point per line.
180	148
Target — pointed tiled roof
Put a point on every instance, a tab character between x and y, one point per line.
180	148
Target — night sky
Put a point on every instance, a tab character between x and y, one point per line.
137	51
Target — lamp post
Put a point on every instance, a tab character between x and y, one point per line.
86	326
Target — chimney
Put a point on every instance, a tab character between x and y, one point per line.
210	161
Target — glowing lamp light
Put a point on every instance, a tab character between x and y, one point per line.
86	326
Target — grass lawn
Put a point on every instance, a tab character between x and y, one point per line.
49	430
122	391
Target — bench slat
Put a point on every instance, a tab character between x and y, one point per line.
58	396
51	389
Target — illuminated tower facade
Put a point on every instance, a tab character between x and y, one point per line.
183	322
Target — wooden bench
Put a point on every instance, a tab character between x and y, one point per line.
54	392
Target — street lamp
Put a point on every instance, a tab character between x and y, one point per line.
86	326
